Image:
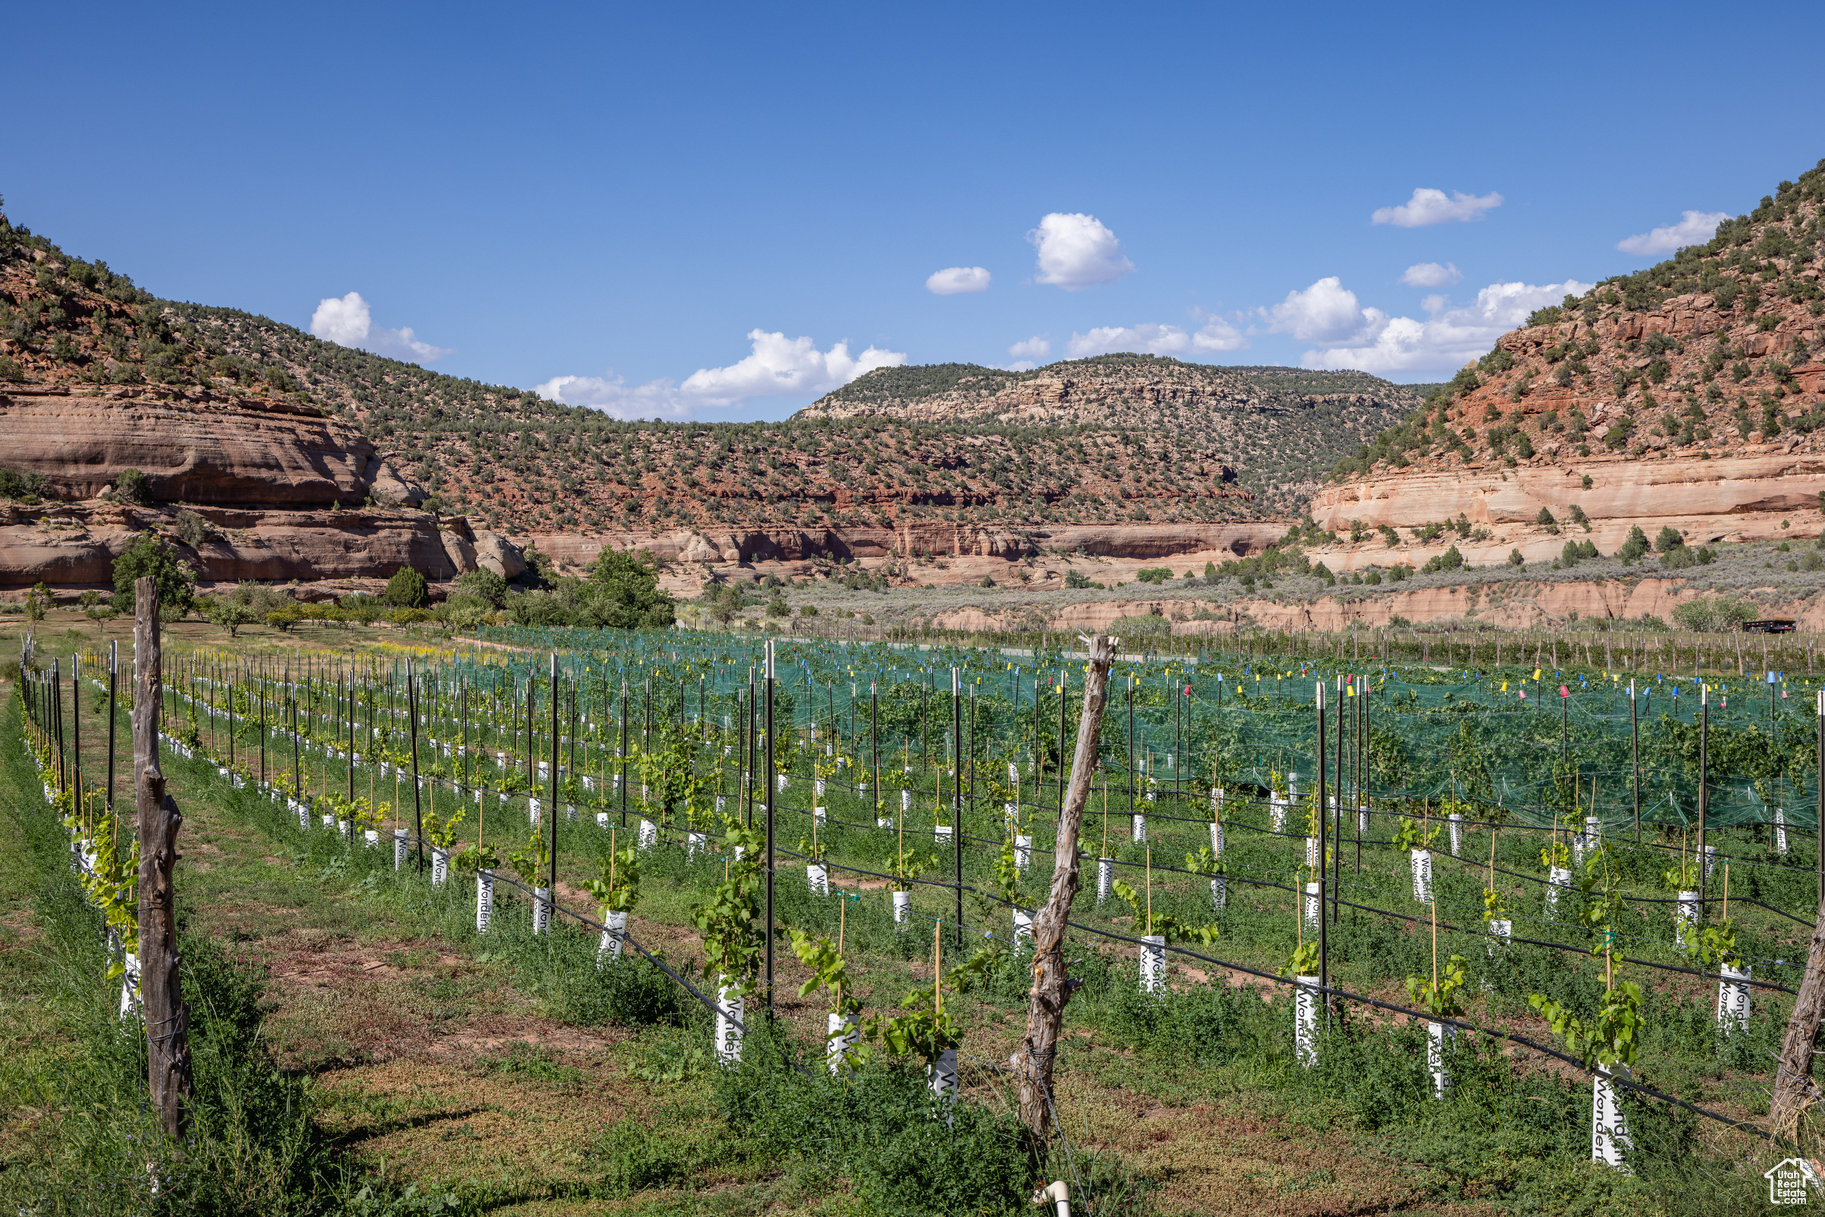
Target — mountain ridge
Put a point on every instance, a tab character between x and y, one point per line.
1690	394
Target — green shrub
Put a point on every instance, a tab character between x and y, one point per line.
32	486
151	554
485	586
1714	613
1451	559
191	528
1636	545
1154	574
1515	558
1076	578
132	486
1668	539
406	589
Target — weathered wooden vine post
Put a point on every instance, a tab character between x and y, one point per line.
1794	1089
161	995
1051	989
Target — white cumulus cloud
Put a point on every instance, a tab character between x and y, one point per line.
1151	339
1077	250
347	321
1036	347
614	396
956	280
1429	206
1325	312
1694	228
1431	274
1446	339
780	366
776	366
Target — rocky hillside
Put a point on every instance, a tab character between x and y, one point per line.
120	416
1278	427
1687	394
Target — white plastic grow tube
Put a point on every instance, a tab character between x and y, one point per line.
1733	999
841	1035
1609	1130
1305	1020
1438	1035
129	986
1153	962
1685	916
484	900
1420	861
941	1079
730	1010
614	929
1558	879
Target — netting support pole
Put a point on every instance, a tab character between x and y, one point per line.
1324	808
957	797
1324	958
1704	781
1635	755
418	815
551	872
771	752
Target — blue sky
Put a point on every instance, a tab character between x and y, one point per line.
683	211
